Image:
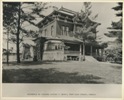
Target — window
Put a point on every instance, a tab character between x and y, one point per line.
63	30
45	32
67	30
52	30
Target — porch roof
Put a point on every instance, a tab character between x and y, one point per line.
71	40
65	39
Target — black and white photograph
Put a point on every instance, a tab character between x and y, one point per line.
62	43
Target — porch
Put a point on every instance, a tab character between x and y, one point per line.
75	51
64	50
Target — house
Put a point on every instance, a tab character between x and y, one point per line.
9	48
57	38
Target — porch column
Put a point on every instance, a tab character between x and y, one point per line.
98	52
101	52
63	52
83	52
91	50
45	46
80	55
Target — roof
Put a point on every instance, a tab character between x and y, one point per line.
66	11
54	41
65	39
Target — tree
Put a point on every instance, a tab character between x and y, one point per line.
9	12
116	31
14	15
118	8
116	27
87	32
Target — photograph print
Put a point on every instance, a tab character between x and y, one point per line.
62	42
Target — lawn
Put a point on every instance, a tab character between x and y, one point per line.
63	72
45	76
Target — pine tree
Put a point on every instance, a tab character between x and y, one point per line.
116	27
116	31
87	32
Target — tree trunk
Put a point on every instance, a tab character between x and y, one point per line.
80	55
83	50
18	33
7	53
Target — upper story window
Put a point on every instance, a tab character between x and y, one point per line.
45	32
63	30
78	28
52	30
67	30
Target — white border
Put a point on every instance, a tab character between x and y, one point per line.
56	98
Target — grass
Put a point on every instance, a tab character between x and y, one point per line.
117	67
62	72
46	76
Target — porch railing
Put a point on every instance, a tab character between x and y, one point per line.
71	52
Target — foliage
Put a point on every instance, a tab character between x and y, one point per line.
119	8
116	31
15	14
87	31
114	54
116	27
28	13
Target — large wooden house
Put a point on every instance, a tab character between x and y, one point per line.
57	38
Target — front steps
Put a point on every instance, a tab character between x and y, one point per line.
91	59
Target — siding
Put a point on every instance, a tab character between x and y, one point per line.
48	28
60	24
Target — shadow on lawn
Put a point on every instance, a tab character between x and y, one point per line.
117	67
46	76
28	63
